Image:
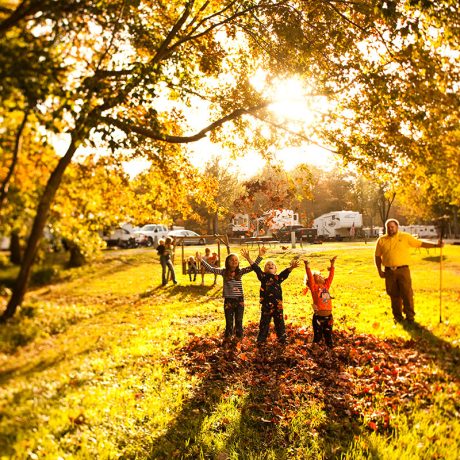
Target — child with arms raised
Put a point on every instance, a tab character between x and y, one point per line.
233	289
322	304
271	299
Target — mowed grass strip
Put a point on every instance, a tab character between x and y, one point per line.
90	366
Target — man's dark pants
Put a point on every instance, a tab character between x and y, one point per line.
398	285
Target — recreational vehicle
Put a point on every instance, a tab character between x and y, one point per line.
338	224
266	224
422	231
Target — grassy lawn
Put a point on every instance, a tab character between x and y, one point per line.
105	363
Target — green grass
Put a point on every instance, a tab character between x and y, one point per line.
95	366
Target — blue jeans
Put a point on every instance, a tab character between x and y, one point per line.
166	263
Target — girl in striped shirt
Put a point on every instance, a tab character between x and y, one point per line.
233	289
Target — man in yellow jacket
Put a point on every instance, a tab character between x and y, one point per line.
393	254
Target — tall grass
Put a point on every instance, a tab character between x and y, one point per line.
90	367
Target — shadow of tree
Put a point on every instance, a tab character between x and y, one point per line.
274	382
295	398
436	259
182	291
301	398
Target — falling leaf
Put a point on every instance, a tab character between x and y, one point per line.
372	426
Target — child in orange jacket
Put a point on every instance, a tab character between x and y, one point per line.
322	303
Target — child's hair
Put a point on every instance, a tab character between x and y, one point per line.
307	283
207	251
161	241
227	266
168	240
191	259
270	261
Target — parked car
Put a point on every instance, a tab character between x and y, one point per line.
121	237
189	236
149	234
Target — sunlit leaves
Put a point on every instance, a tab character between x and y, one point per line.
365	379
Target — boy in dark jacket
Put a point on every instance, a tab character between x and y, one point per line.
271	299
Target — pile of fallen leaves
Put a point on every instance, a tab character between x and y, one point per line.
362	378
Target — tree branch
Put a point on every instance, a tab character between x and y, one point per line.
128	127
17	149
294	133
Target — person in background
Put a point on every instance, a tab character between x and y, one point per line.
392	258
192	268
209	258
160	251
164	250
213	260
233	289
322	304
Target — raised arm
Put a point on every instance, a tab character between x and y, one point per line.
331	269
428	244
333	261
294	264
308	271
209	268
245	253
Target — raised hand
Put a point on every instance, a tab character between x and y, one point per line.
262	251
245	253
295	263
333	261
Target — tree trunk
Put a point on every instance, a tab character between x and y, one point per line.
15	248
455	213
77	259
17	149
215	224
385	206
22	281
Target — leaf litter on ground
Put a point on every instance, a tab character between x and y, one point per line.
363	378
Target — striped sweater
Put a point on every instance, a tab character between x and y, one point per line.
232	287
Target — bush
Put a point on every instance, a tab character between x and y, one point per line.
44	276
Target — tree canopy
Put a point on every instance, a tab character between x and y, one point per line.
123	76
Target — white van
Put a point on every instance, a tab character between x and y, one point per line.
149	234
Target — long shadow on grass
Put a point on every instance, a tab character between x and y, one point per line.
444	354
274	383
29	370
182	291
295	403
436	259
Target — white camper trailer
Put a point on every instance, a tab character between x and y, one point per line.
275	219
421	231
239	224
338	224
279	218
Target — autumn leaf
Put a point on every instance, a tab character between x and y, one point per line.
372	426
